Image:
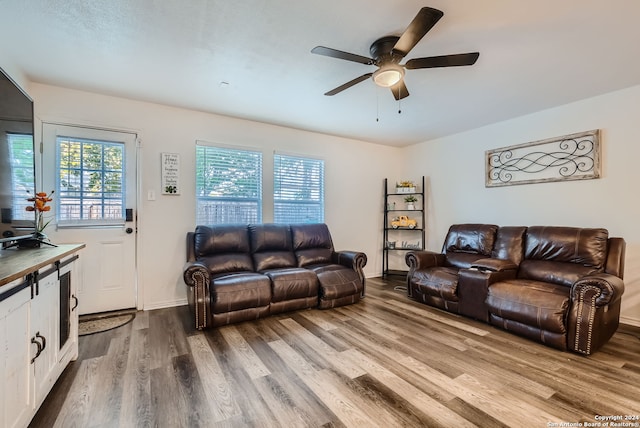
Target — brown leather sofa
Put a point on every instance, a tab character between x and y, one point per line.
561	286
240	272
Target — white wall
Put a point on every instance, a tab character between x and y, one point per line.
455	169
354	175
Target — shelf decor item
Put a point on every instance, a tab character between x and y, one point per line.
410	201
405	187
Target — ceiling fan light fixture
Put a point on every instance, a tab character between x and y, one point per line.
388	75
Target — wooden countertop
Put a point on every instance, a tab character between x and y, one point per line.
16	263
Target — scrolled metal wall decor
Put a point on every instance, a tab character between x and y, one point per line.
571	157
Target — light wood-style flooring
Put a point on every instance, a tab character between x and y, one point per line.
384	362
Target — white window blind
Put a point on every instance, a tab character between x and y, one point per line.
90	184
22	179
298	189
228	185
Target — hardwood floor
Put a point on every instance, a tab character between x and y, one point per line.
385	362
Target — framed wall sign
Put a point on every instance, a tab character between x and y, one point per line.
571	157
170	164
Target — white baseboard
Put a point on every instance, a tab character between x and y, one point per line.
165	304
630	321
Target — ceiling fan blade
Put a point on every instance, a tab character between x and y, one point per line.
443	61
400	90
334	53
349	84
421	24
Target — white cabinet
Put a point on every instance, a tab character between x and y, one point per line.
15	368
38	333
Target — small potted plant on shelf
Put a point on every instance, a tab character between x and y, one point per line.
405	187
410	201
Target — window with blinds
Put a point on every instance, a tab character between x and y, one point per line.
90	182
228	185
22	179
298	189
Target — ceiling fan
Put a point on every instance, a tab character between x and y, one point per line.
387	52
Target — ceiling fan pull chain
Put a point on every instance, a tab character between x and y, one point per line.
400	106
377	106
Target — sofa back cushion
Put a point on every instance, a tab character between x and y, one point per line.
312	244
271	246
509	244
563	255
223	248
466	243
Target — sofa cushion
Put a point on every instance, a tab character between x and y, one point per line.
271	246
292	283
586	247
466	243
223	248
533	303
437	281
471	238
560	273
240	291
509	244
312	244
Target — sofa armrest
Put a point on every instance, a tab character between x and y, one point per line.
595	312
494	265
423	259
601	289
418	260
198	279
354	260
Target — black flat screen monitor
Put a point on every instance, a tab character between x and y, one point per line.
17	160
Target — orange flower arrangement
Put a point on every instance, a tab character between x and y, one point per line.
40	207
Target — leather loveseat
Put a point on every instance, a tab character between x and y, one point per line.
240	272
561	286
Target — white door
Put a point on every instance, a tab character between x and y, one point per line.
94	174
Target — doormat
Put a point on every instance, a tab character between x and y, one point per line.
98	323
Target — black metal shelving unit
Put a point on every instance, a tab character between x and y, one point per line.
394	206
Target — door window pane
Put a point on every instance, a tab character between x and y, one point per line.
90	184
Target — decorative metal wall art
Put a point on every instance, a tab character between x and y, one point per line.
572	157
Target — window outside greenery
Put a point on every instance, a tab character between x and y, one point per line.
298	189
228	185
90	185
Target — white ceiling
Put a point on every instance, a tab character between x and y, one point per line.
533	55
